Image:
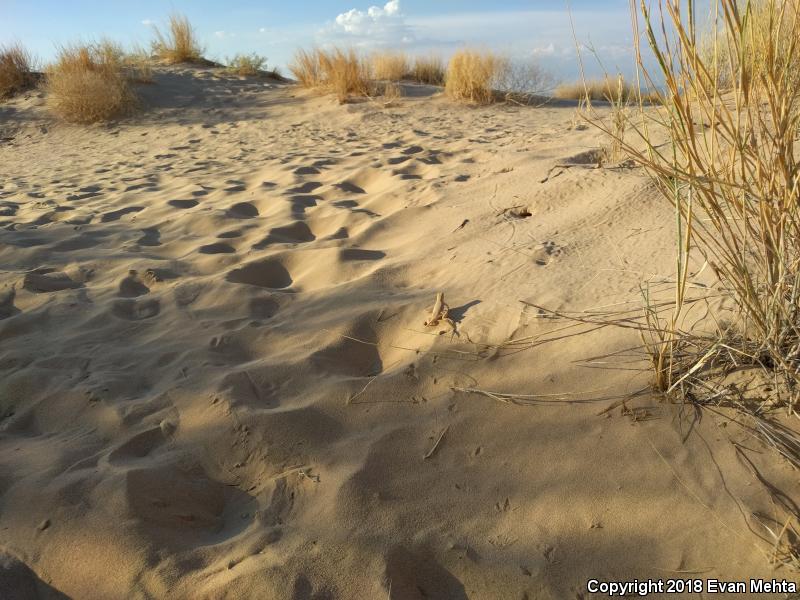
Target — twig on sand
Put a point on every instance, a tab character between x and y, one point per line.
526	399
435	446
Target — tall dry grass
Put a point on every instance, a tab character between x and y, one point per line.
340	72
179	44
608	89
429	69
719	145
730	171
390	66
15	70
89	83
472	76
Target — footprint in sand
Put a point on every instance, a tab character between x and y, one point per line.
269	273
150	237
306	171
43	281
305	188
353	206
243	210
546	252
350	254
132	286
301	203
183	204
7	308
297	232
217	248
263	308
349	188
116	215
132	309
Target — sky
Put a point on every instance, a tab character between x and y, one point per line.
537	30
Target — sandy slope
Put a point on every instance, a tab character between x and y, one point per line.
215	381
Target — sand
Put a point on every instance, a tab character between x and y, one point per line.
216	382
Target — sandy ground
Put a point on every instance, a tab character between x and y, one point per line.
215	380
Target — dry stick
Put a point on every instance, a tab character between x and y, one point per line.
432	451
533	399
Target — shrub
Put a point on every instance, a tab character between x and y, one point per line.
87	83
429	69
179	44
729	170
336	71
15	70
137	66
522	81
390	66
306	68
471	76
247	65
607	89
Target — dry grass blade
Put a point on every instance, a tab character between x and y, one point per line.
15	70
472	76
87	83
429	69
341	72
179	44
390	66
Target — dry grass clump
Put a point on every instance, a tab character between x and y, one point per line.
523	82
247	65
607	90
15	70
759	37
88	83
179	44
429	69
730	171
472	76
137	66
306	68
337	71
390	66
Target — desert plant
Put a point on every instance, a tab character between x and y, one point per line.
87	83
472	76
306	68
729	170
390	66
342	72
522	81
247	65
608	89
179	44
429	69
346	73
138	67
15	70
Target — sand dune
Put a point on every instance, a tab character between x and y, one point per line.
215	381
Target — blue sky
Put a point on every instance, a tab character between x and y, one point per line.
538	29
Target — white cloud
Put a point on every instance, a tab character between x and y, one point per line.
548	50
378	25
148	22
